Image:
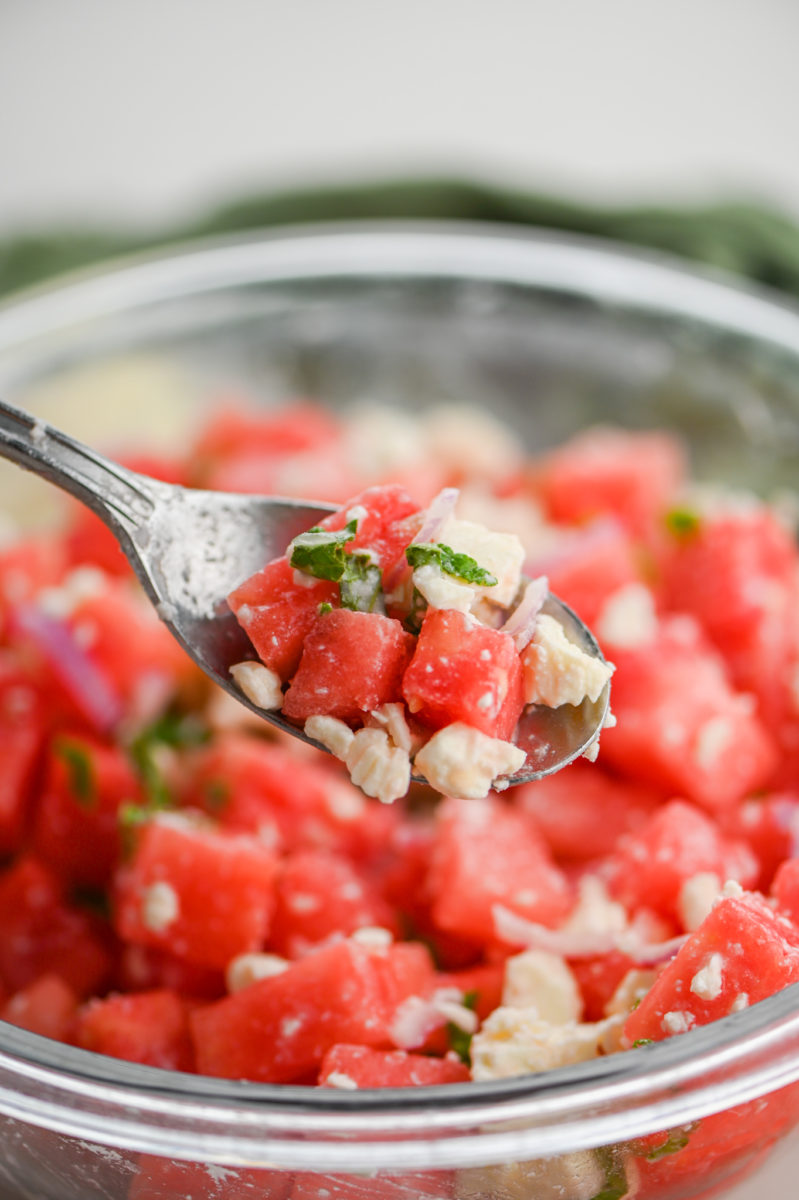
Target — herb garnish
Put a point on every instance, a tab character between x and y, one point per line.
643	1042
78	763
676	1140
320	552
616	1184
459	1040
178	731
683	522
460	566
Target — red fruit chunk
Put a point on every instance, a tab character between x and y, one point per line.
283	431
22	732
737	574
770	827
46	1006
284	1025
277	613
352	662
582	811
76	828
630	475
164	1179
383	528
741	953
369	1068
40	932
678	841
463	671
202	894
319	895
487	854
785	889
681	727
148	1027
27	567
148	969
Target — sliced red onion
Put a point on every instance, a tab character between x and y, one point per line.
439	509
516	930
88	686
521	622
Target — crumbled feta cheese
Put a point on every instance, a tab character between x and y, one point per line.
677	1022
343	802
260	684
470	441
740	1002
462	761
713	740
374	937
632	988
515	1041
160	906
628	617
377	766
709	979
441	590
595	912
544	981
556	671
697	896
500	553
338	1079
331	733
391	717
249	968
79	585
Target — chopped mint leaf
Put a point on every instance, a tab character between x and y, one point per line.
460	566
325	608
676	1140
320	552
178	731
683	522
643	1042
78	763
616	1184
217	794
413	621
459	1040
362	584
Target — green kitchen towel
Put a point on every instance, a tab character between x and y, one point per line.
750	240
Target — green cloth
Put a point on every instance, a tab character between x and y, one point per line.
756	242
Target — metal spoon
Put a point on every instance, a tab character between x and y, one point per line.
190	548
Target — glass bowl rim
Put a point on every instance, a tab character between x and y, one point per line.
626	1095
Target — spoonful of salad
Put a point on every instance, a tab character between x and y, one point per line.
404	641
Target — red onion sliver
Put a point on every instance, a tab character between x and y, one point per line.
510	927
521	622
439	509
88	686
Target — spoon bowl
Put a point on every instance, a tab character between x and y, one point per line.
190	548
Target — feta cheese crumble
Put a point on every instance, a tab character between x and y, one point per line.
462	761
160	906
260	684
556	671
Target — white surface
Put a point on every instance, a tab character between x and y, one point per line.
149	111
153	108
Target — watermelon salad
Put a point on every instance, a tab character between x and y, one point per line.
394	634
183	887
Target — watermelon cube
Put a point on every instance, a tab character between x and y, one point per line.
47	1006
462	671
146	1027
364	1067
352	662
383	513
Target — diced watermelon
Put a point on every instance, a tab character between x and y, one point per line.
148	1027
76	828
383	522
769	824
148	969
237	426
589	565
365	1067
41	932
487	854
22	736
681	727
25	568
650	866
277	613
319	895
738	574
48	1006
741	953
464	671
352	662
785	889
203	894
484	982
632	476
582	811
285	1024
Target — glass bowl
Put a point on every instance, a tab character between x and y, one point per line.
551	335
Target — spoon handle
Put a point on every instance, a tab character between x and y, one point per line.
118	496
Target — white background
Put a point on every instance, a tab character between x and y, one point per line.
154	110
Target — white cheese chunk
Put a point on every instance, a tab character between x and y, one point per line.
160	906
709	979
556	671
500	553
462	761
260	684
377	766
544	981
697	896
441	590
628	617
515	1041
331	733
249	968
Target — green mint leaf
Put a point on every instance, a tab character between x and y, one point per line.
413	621
178	731
217	794
324	607
643	1042
361	584
459	1040
80	770
460	566
616	1184
683	522
676	1141
320	552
